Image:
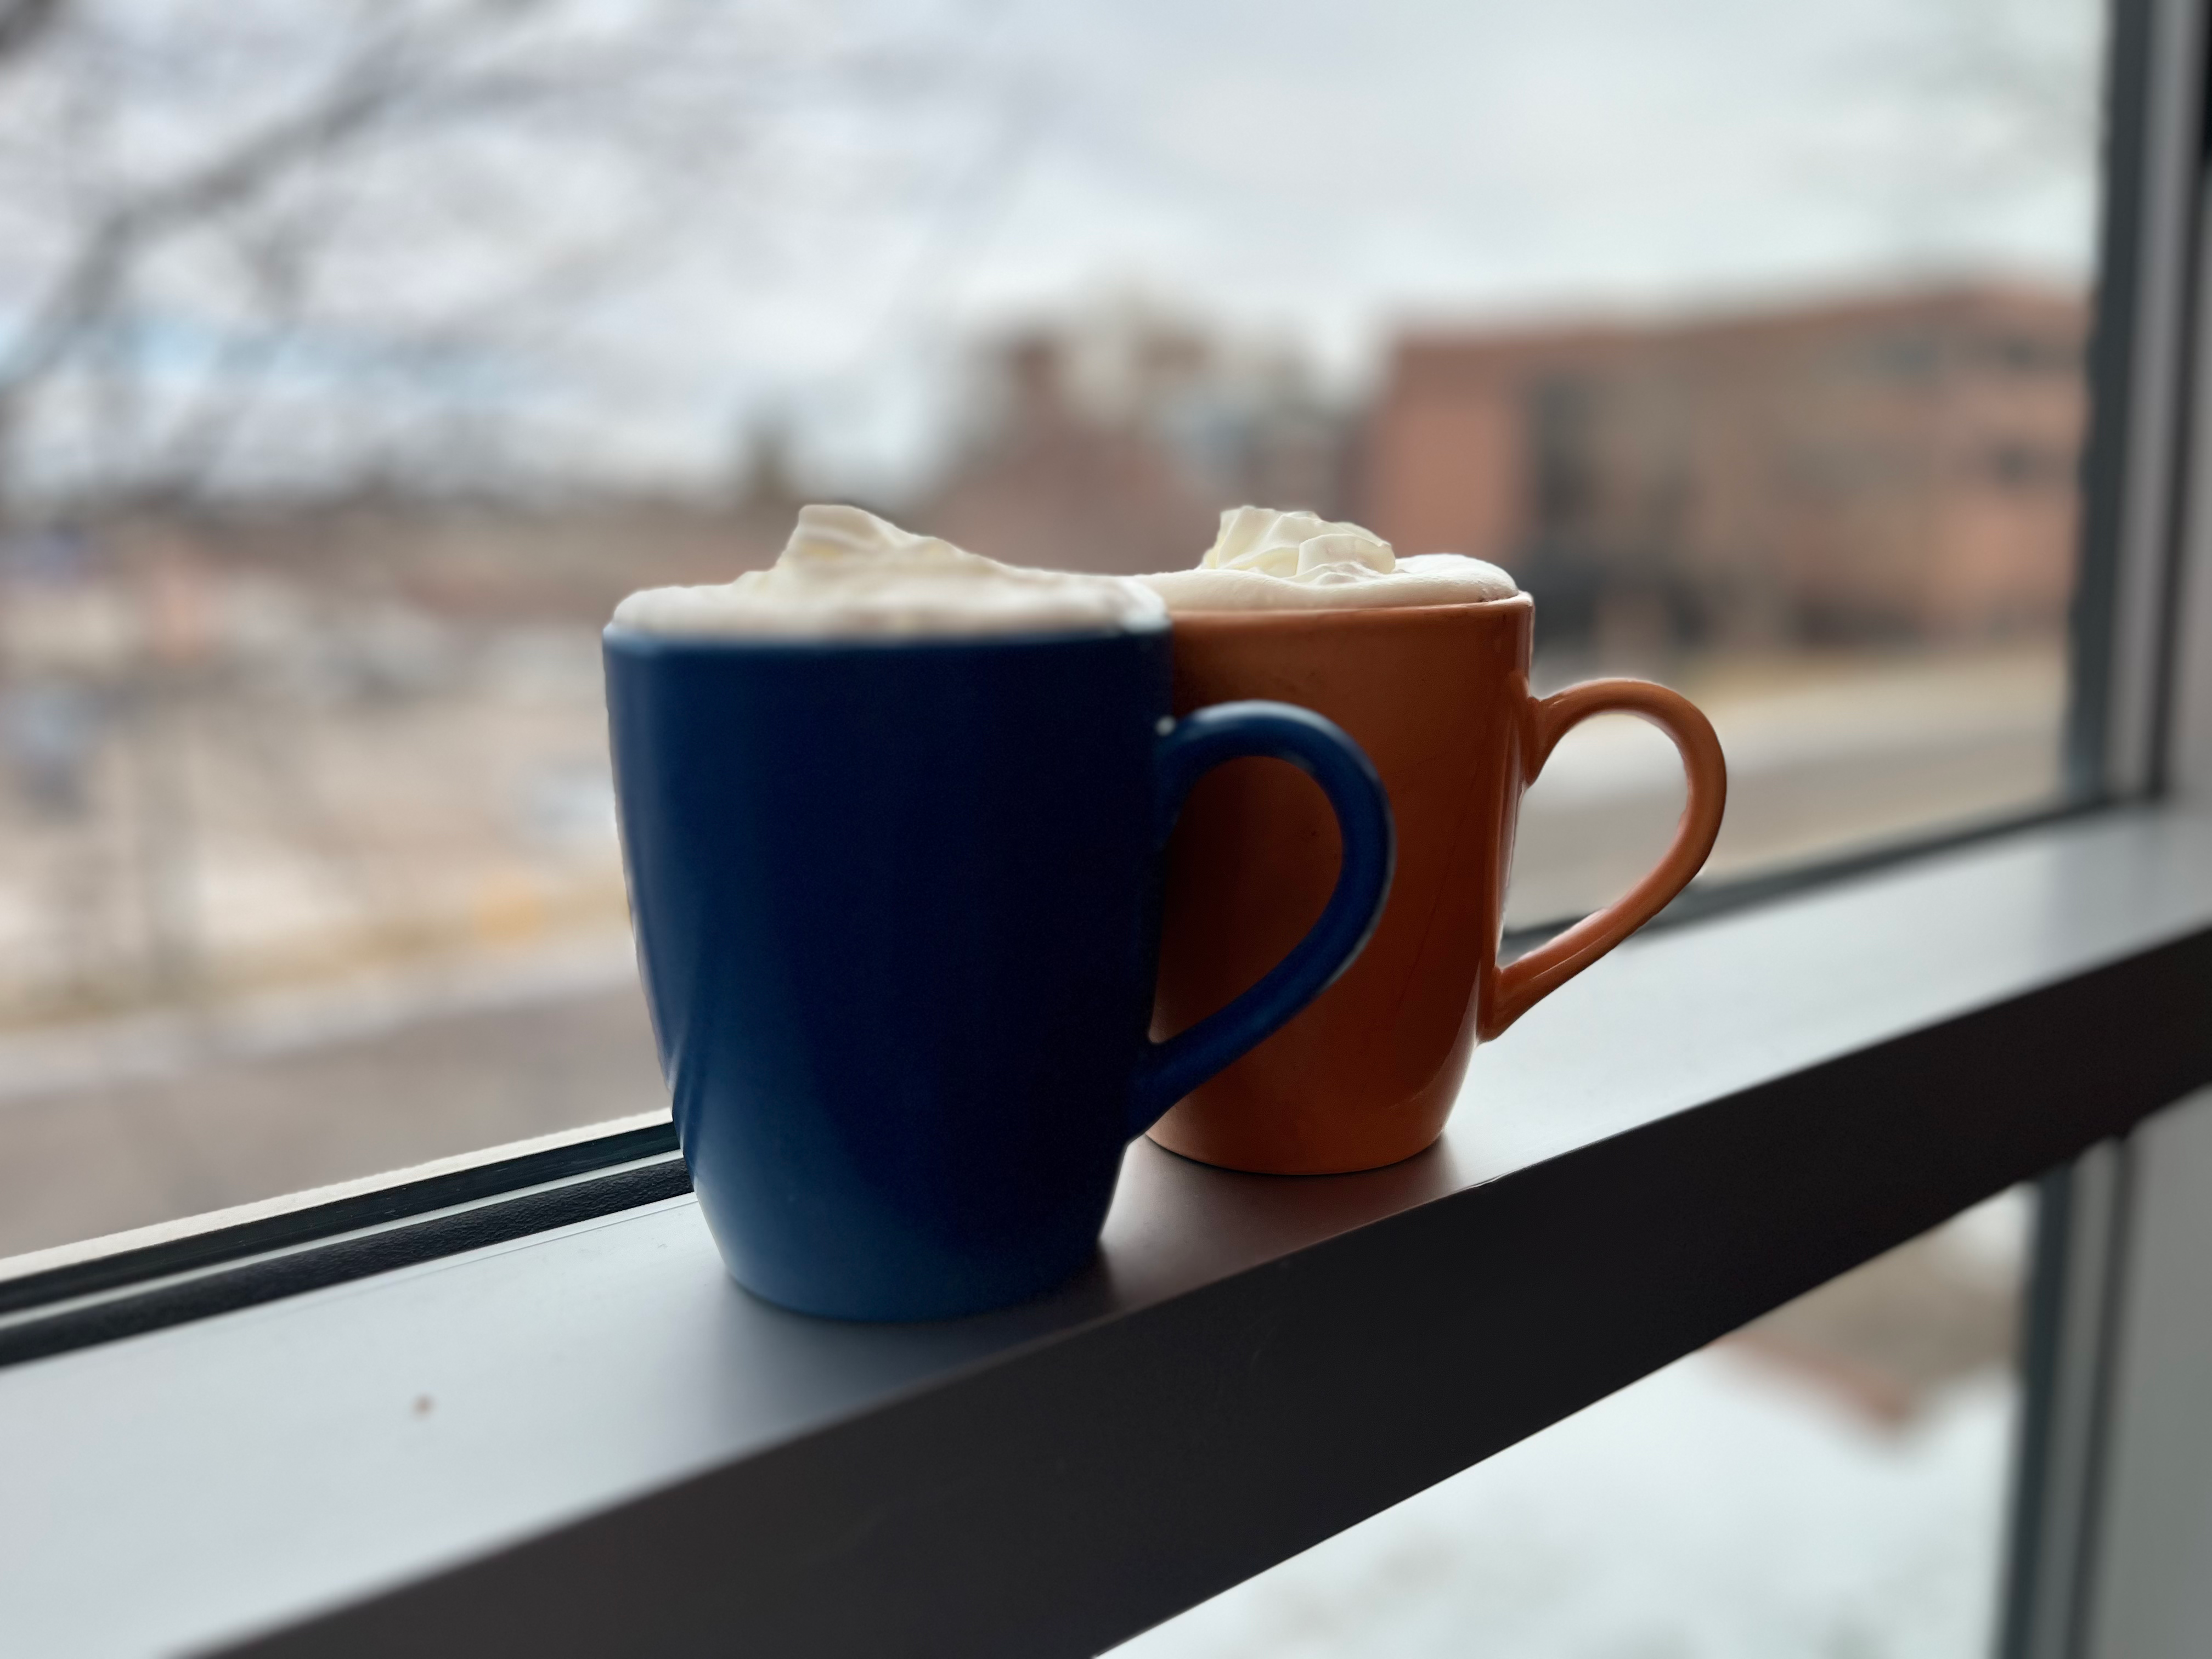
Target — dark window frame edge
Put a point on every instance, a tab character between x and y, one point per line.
204	1291
401	1202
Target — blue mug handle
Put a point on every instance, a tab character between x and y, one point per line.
1194	746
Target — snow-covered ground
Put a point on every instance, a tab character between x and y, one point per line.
1714	1511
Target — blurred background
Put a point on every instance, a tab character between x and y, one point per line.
354	359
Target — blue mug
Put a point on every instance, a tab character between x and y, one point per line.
897	907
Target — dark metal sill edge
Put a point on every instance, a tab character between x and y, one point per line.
110	1298
381	1207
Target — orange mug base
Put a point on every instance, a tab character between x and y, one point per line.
1257	1135
1320	1166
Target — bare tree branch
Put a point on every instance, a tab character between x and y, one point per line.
23	24
517	166
83	294
82	297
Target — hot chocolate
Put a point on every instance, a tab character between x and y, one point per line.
1266	560
847	575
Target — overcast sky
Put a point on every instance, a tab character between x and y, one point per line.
1329	160
1324	171
1312	172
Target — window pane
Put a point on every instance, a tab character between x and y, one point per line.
353	362
1829	1482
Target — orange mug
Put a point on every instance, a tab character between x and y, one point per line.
1438	697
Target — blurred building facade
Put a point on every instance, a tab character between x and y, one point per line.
1114	443
1898	467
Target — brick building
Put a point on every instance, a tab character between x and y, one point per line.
1898	466
1112	445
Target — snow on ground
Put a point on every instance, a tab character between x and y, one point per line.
1714	1511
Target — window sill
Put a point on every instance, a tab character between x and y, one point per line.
589	1440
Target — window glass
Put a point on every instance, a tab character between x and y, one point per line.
354	359
1830	1481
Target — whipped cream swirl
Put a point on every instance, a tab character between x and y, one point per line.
1266	560
846	574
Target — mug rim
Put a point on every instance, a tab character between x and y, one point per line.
1360	614
646	642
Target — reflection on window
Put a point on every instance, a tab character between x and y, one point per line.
1829	1482
353	364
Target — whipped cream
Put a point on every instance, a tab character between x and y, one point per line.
848	575
1265	560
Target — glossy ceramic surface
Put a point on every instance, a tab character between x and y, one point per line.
1437	697
897	909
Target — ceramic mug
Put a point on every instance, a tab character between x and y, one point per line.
1438	696
896	907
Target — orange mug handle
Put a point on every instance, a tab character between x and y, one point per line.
1509	992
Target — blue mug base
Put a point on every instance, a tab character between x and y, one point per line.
954	1297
